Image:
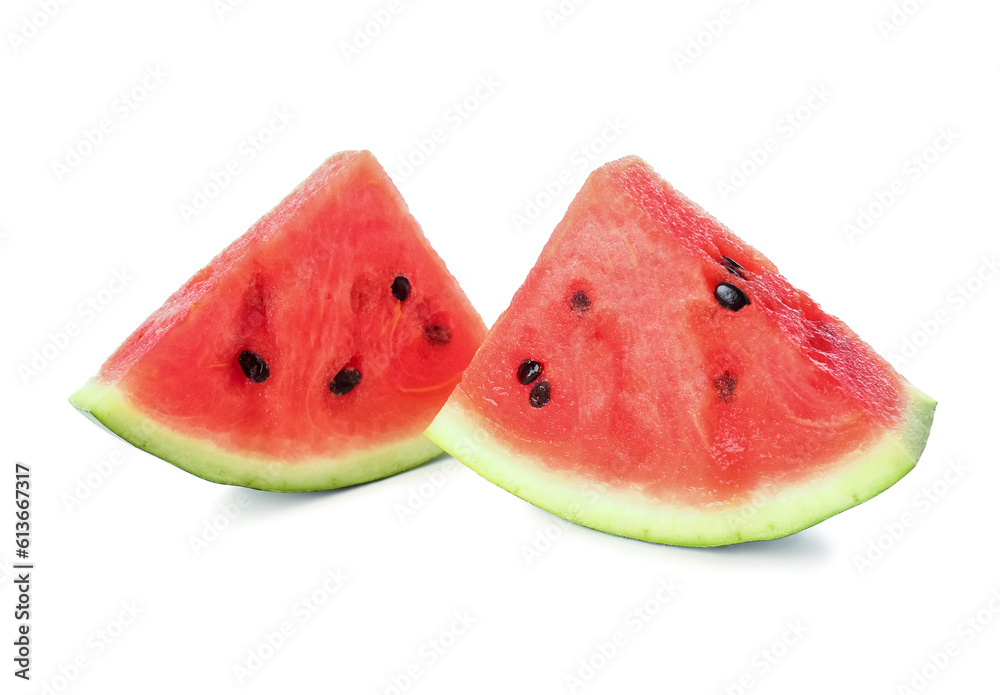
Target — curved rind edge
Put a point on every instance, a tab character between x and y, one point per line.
791	508
106	405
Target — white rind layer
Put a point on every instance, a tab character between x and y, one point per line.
107	406
776	510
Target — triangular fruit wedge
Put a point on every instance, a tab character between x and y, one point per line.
310	354
656	377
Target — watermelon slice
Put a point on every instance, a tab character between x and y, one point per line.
656	377
310	354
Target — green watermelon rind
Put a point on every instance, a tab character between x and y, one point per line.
106	405
786	509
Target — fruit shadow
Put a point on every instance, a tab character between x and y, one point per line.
265	502
804	546
807	547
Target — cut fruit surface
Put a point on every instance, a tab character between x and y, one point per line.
310	354
656	377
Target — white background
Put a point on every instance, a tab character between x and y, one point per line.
214	80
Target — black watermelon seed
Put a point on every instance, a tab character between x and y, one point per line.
732	266
437	335
730	296
345	380
254	366
528	371
725	387
580	302
401	288
540	394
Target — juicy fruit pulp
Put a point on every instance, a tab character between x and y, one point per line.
310	354
688	394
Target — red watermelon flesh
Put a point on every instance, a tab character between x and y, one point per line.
338	279
665	410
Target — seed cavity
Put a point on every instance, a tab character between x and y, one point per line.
255	307
730	297
254	366
437	334
725	387
401	288
528	371
540	394
579	302
345	380
733	267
